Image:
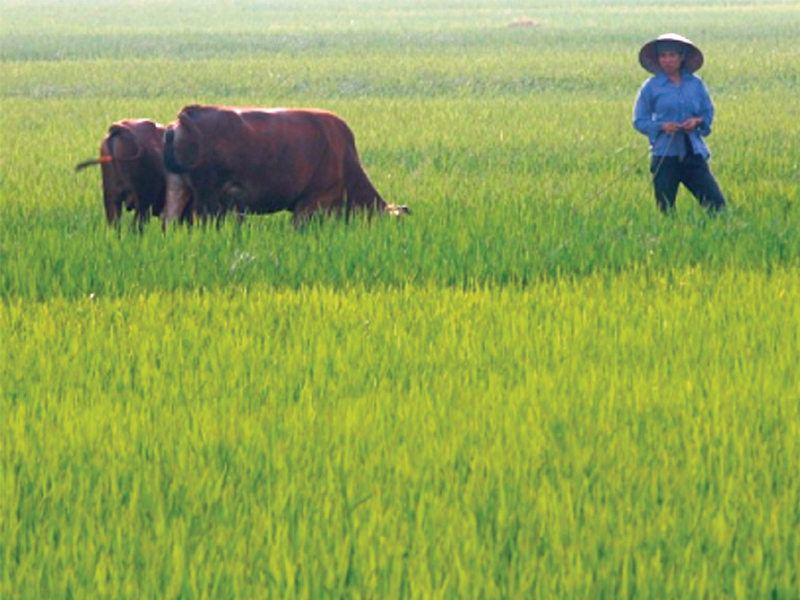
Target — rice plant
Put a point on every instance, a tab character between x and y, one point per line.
533	387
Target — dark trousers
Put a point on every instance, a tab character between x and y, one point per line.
693	172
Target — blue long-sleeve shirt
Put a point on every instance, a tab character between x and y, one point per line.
660	101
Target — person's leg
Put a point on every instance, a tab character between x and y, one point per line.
666	177
699	180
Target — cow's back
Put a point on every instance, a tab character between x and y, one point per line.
280	156
324	157
265	160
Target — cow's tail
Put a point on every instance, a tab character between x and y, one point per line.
105	159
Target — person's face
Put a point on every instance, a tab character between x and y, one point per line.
669	61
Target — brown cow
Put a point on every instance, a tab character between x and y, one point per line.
254	160
132	165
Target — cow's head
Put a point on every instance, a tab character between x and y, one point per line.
396	210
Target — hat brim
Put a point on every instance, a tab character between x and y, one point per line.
648	55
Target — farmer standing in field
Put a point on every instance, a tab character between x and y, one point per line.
674	110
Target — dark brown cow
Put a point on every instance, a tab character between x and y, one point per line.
132	165
254	160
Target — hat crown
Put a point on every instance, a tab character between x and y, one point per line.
674	37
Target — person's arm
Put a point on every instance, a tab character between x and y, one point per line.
643	113
701	122
706	114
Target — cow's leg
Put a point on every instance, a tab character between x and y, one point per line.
114	195
113	209
205	204
139	219
141	211
234	197
331	201
178	204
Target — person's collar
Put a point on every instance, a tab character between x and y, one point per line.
685	74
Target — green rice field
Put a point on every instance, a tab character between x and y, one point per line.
534	386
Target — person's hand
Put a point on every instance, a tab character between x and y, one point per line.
670	127
690	123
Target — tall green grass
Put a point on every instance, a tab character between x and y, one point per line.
533	387
625	437
500	194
